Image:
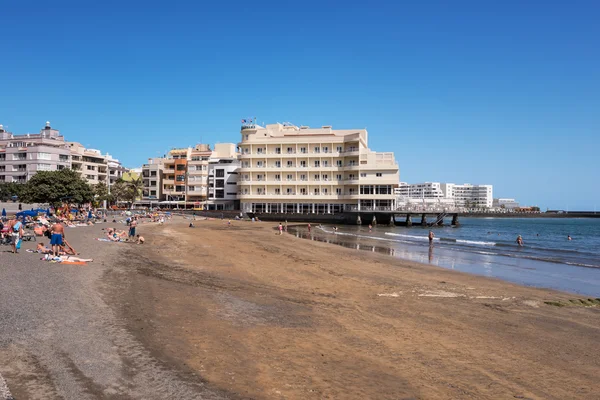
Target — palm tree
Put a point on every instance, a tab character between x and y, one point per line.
135	187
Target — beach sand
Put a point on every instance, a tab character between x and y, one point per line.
264	316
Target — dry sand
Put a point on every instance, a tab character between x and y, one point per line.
264	316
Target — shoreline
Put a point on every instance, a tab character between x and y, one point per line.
266	316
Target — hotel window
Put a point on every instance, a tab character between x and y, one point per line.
44	167
338	191
246	177
326	163
288	190
316	190
302	177
290	164
246	138
339	163
302	190
259	164
303	164
317	150
153	193
259	150
351	177
303	150
317	163
325	177
277	150
363	175
259	177
44	156
259	191
220	173
290	150
246	164
277	191
277	177
289	177
325	191
339	149
317	177
278	164
338	177
378	174
351	191
325	149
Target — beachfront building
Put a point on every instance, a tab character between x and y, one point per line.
223	167
22	156
297	169
183	178
469	196
197	179
152	173
93	166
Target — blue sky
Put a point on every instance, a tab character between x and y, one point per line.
498	92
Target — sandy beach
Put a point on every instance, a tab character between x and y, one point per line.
258	315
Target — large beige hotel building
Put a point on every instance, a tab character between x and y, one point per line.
290	169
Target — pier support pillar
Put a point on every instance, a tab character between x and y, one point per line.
424	220
374	221
455	220
392	220
358	220
408	220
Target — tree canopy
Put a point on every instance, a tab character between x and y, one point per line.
54	187
9	189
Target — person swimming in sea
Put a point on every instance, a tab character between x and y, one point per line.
519	240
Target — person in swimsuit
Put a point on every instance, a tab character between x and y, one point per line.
519	241
56	240
431	236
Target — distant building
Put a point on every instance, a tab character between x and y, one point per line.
94	166
465	195
508	204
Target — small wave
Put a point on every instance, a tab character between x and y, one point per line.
409	236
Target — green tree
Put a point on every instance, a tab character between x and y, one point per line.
54	187
101	192
119	191
135	187
9	189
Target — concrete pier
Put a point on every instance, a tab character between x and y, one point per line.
455	220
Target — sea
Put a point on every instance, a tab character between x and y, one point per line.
487	246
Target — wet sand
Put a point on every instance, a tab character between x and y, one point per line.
258	315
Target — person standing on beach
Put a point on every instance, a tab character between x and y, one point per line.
370	228
519	241
431	236
56	240
132	226
16	230
280	229
308	226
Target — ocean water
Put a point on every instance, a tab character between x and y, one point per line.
487	246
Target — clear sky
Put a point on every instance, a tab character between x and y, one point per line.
496	92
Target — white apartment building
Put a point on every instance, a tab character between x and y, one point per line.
470	196
22	156
465	195
290	169
223	169
507	204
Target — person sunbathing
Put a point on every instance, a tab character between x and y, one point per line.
41	248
